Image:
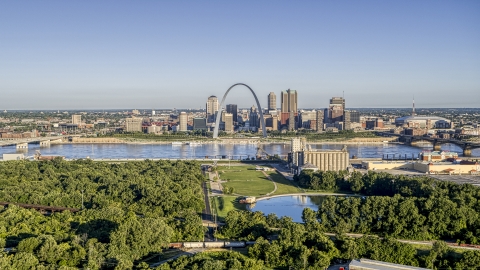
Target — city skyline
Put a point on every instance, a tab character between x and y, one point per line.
112	55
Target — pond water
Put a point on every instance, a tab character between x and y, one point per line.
291	205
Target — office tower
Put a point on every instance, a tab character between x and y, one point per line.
76	119
271	121
288	106
153	112
232	108
211	108
336	109
253	117
307	119
351	117
199	124
320	119
183	121
135	111
289	101
272	101
228	122
347	120
133	124
291	121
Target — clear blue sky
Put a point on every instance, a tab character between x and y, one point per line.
165	54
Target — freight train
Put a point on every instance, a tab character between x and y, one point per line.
218	244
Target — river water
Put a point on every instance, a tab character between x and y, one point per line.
212	150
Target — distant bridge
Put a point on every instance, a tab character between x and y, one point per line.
436	142
22	143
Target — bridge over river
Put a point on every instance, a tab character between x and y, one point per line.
22	143
436	142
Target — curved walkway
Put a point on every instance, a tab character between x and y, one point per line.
274	183
309	194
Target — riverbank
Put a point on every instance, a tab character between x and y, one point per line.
182	141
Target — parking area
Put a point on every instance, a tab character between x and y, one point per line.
460	179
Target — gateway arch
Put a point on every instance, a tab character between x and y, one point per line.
219	113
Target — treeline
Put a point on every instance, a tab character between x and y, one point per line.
280	242
131	210
396	205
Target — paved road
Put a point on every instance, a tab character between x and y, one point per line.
206	214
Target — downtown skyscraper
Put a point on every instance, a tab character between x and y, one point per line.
289	108
211	108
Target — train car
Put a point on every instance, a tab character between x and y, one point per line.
235	244
193	245
250	243
175	245
214	244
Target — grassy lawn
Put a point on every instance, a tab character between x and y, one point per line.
284	186
225	204
245	180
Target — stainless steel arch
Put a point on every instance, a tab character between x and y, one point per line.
219	113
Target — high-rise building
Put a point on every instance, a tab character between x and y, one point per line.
351	117
320	119
199	124
307	118
272	101
291	121
228	121
211	108
76	119
336	109
183	120
133	124
253	117
289	101
232	108
271	121
288	106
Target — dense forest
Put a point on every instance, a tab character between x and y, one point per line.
282	243
417	207
130	210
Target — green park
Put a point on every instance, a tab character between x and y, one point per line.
245	180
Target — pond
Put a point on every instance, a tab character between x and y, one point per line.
290	205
